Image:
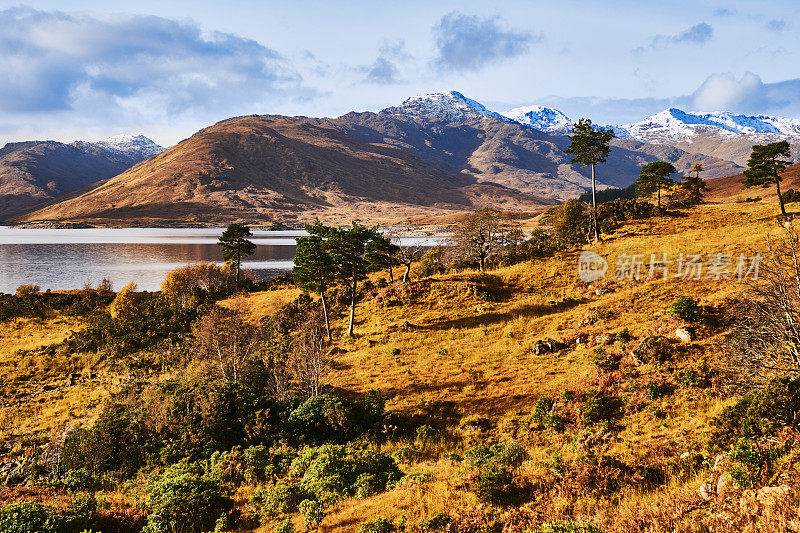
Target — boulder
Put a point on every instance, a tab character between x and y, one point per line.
706	491
685	334
720	462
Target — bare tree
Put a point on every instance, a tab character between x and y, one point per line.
764	341
226	336
311	361
482	235
277	354
407	254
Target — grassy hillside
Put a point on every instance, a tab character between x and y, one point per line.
609	429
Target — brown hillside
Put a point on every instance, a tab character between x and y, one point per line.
262	167
36	172
730	189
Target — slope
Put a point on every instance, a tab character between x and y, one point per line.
258	168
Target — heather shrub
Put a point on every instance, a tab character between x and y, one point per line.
686	308
185	499
379	525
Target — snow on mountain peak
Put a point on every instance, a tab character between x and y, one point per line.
541	118
677	125
451	105
137	146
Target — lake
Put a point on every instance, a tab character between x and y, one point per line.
60	259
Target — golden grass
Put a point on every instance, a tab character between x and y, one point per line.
467	355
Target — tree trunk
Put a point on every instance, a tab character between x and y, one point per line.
659	197
407	273
352	310
481	261
391	273
325	313
238	263
594	208
780	197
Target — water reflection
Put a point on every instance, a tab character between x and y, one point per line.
71	258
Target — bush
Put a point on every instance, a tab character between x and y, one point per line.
27	290
761	413
379	525
603	361
436	522
598	407
751	464
184	499
791	196
686	308
571	223
33	517
493	480
313	513
80	479
285	526
279	499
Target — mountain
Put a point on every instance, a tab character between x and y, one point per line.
438	152
451	106
260	168
541	118
721	134
453	132
36	172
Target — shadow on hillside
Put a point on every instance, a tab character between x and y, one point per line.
485	319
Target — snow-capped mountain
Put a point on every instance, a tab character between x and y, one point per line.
451	106
674	125
137	146
541	118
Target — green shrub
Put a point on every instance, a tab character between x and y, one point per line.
405	454
494	483
685	307
80	479
541	409
598	407
379	525
436	522
313	513
285	526
761	413
751	464
623	336
33	517
603	361
281	498
184	499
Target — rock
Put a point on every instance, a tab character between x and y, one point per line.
685	334
772	496
720	462
685	456
407	325
706	491
544	346
603	339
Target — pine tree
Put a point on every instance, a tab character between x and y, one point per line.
589	147
654	177
313	265
765	165
234	245
694	185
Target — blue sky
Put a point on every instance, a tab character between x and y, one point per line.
87	69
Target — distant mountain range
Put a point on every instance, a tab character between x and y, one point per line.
37	172
440	152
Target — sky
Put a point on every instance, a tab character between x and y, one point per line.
87	70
